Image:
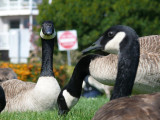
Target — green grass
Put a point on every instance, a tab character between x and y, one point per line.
83	110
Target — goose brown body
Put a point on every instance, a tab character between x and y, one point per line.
28	96
150	43
104	68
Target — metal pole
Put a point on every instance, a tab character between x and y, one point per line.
31	16
69	57
30	22
50	1
19	46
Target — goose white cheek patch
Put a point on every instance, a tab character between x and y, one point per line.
113	45
70	100
47	37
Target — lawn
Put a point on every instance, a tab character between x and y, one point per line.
84	110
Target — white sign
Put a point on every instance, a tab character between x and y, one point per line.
67	40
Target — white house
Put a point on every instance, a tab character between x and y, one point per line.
16	20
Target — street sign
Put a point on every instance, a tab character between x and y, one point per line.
67	40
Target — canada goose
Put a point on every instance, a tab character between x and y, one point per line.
71	93
7	74
140	107
104	69
121	40
24	96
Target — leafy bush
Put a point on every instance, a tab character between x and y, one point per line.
92	17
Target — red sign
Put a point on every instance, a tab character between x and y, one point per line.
67	40
68	44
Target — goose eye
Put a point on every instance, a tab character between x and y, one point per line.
110	34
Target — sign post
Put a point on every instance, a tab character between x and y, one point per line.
67	40
69	57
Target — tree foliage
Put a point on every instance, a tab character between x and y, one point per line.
92	17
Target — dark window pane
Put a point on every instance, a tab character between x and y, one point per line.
14	24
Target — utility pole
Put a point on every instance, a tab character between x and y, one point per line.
30	16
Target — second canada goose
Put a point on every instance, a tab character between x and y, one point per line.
123	41
104	68
140	107
28	96
71	93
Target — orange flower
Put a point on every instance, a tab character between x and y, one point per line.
30	72
56	73
61	67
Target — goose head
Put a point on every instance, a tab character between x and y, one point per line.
65	102
47	30
114	40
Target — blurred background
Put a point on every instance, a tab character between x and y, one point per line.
20	23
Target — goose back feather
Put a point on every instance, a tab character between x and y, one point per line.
15	86
150	43
6	74
139	107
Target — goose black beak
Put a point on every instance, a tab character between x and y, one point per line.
49	31
95	46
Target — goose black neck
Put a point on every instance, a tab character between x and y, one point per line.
81	70
47	57
127	68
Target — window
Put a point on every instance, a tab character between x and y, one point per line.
26	23
14	24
